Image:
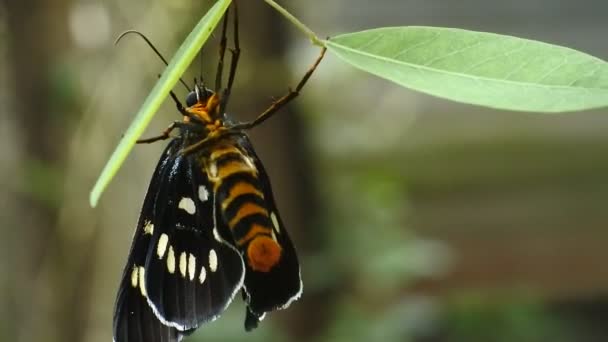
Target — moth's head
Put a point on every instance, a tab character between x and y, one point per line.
203	103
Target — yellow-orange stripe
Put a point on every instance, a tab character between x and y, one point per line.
255	230
244	211
219	152
240	188
232	167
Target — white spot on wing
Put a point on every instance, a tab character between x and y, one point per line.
212	261
191	266
203	275
182	264
148	227
213	170
250	162
187	204
134	276
162	245
171	260
142	282
275	222
203	194
274	236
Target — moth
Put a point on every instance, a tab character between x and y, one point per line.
209	226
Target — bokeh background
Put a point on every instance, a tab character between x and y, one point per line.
417	219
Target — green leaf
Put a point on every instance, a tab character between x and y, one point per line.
177	66
479	68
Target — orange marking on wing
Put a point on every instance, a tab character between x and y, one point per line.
246	210
241	188
254	231
263	253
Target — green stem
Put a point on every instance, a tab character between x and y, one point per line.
308	32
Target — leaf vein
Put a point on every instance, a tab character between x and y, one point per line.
453	73
455	52
411	47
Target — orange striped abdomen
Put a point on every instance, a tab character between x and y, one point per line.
240	197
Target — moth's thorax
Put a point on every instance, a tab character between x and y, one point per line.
207	111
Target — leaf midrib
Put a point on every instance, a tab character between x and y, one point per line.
422	67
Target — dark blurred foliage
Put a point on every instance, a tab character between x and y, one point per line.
416	219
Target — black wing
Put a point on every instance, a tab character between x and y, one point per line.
192	273
185	270
276	289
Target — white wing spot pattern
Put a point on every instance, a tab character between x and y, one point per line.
212	261
191	266
163	240
142	282
171	260
187	204
134	276
203	275
203	194
182	264
148	227
275	222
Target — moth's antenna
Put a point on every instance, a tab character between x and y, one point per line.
220	63
143	36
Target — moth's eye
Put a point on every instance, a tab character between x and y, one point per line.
191	99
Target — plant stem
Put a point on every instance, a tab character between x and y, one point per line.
308	32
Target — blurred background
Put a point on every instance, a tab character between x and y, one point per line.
416	219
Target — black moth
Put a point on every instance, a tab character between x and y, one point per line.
209	226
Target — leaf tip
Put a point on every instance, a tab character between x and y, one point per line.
93	198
